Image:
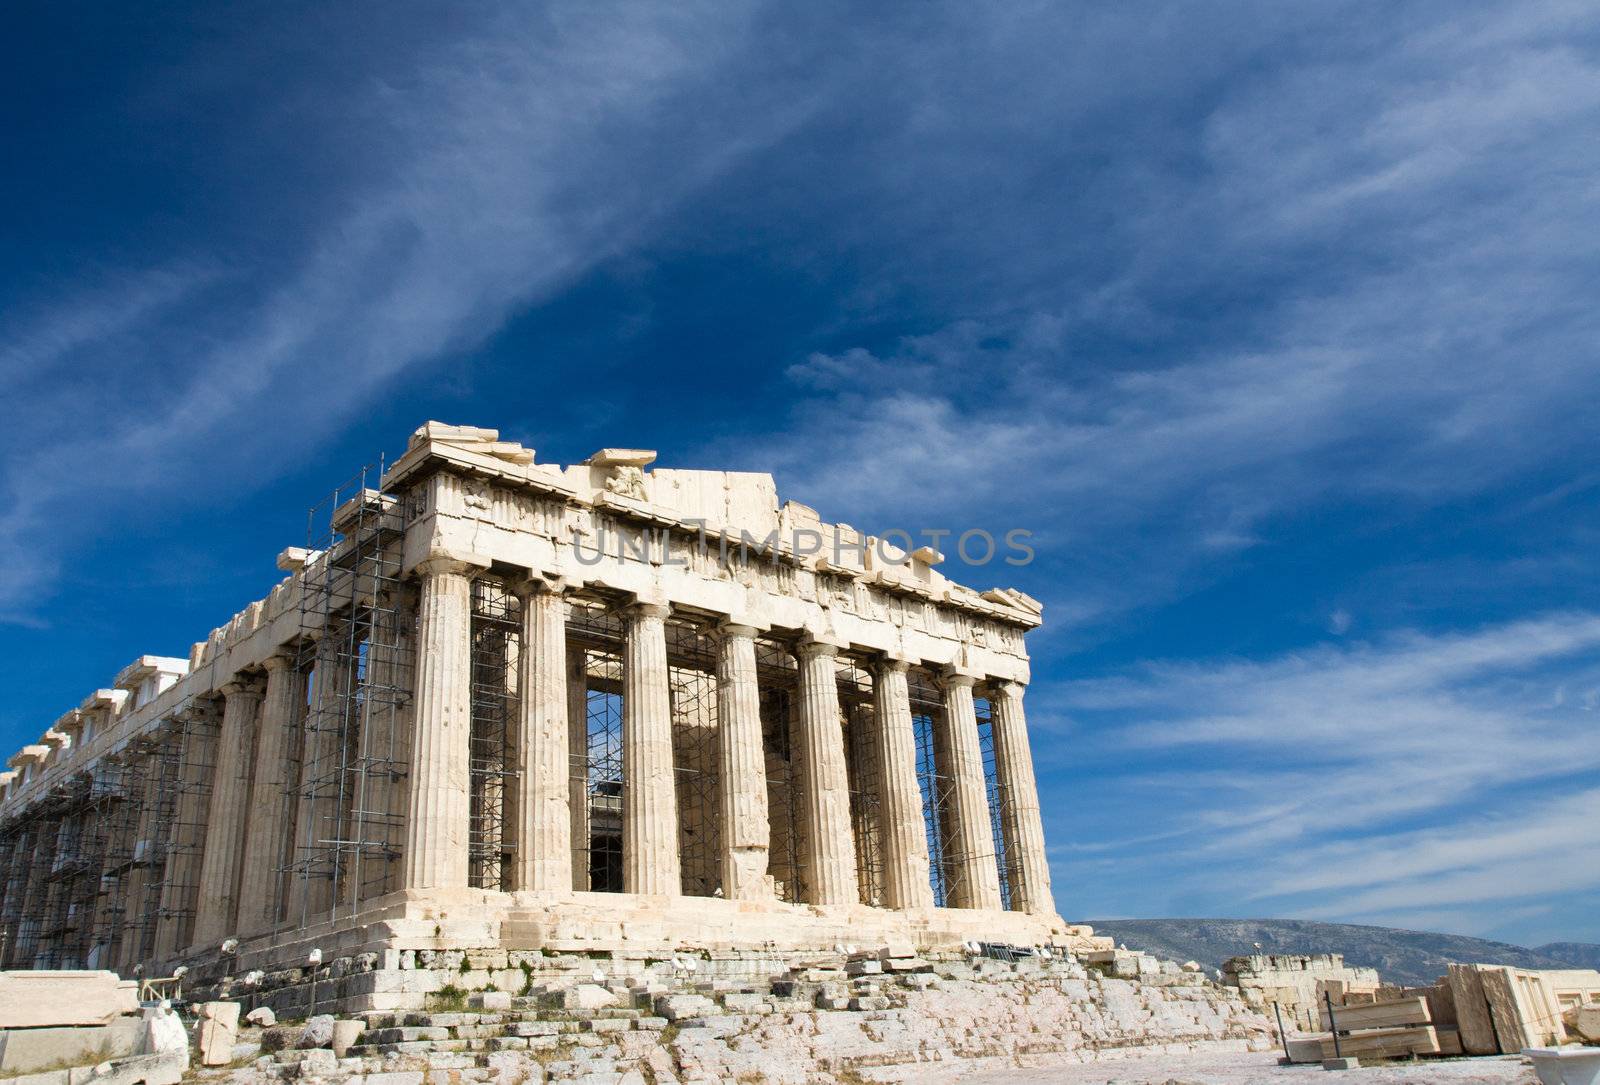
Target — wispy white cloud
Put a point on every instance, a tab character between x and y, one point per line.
1440	350
524	151
1366	780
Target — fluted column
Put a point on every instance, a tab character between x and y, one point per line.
746	829
317	796
544	815
903	838
650	861
829	845
215	909
578	765
197	742
437	821
975	881
267	829
142	851
1020	822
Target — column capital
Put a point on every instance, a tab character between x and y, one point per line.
241	685
195	712
536	582
281	660
1005	687
955	676
644	609
887	662
813	646
731	627
444	565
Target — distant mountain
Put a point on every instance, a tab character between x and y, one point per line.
1406	958
1580	954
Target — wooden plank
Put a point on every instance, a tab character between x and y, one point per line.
1472	1011
1399	1013
1385	1043
1505	1009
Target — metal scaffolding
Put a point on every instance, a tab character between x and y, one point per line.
991	787
32	840
860	724
127	777
87	803
145	838
104	870
492	765
13	846
692	651
778	686
934	779
356	647
181	814
594	645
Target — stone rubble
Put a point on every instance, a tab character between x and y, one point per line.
834	1020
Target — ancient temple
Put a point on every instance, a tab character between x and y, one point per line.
595	708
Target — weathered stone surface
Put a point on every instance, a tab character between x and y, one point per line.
35	999
24	1051
590	996
345	1035
216	1032
318	1032
165	1033
318	1060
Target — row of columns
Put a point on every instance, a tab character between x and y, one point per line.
249	821
438	823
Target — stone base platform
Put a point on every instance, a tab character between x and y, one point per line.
385	956
884	1016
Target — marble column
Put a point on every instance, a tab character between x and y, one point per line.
317	796
1020	822
114	887
268	830
15	853
746	828
143	853
578	765
218	901
828	855
197	743
861	748
41	858
902	833
544	815
974	876
437	821
650	862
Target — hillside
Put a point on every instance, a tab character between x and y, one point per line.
1410	958
1581	954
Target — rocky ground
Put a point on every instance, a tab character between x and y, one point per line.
872	1018
1248	1068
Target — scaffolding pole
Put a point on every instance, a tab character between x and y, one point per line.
778	685
356	647
935	781
492	765
594	645
991	788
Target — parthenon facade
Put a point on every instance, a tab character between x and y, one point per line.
504	703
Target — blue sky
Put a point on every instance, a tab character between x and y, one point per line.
1276	325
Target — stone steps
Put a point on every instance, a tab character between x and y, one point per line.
736	1021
